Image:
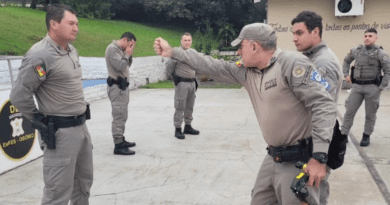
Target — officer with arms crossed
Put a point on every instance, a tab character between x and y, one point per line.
307	36
185	87
295	113
52	72
368	82
119	59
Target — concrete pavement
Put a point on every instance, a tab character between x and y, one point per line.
219	166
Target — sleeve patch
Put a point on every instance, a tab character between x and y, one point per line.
316	76
299	71
386	58
239	63
41	70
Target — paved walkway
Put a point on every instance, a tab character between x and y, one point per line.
217	167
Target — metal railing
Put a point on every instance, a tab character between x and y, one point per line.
10	69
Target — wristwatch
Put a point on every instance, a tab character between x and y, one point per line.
320	157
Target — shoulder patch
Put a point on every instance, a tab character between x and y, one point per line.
316	76
386	58
299	71
41	70
239	63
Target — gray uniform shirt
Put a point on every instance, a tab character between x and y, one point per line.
54	76
288	103
118	61
369	63
179	68
329	66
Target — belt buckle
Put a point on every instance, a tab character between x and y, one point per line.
277	159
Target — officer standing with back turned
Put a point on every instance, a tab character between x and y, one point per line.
185	87
119	59
368	82
51	72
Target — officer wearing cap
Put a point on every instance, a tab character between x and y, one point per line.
295	112
118	60
368	82
185	87
51	72
307	36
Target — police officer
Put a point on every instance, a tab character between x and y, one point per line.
52	72
307	36
119	59
368	82
185	87
294	111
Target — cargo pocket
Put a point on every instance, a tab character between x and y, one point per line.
179	104
54	175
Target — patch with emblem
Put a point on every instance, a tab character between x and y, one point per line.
270	84
41	70
386	58
299	71
239	63
315	76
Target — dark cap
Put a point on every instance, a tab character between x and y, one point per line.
255	31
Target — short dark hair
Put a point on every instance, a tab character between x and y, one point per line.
186	34
56	12
371	30
129	36
311	20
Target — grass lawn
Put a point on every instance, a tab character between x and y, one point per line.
169	84
22	27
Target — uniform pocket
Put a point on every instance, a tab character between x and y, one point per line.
54	171
179	104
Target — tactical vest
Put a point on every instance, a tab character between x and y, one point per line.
367	64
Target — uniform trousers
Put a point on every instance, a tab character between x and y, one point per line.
184	103
371	95
68	169
119	103
272	186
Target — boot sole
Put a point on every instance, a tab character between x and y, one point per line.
188	133
121	153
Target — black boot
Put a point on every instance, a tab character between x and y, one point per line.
365	141
179	134
128	144
189	130
121	149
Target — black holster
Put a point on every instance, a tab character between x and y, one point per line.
301	152
121	82
48	125
352	73
337	148
175	79
378	80
46	128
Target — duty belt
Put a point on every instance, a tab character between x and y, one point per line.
293	153
64	122
365	82
181	79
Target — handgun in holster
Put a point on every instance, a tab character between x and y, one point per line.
122	83
352	71
175	79
298	186
110	81
47	129
378	80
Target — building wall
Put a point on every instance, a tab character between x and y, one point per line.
340	33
